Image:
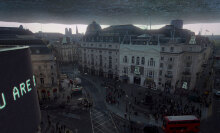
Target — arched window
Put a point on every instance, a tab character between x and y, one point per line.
132	59
125	59
151	62
142	60
138	61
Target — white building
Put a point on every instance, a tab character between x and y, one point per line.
139	63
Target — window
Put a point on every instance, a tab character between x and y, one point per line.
51	66
125	70
170	66
39	67
161	65
189	57
162	58
52	80
100	60
42	81
125	60
110	62
138	61
151	62
169	72
171	59
142	60
163	49
91	45
161	72
150	74
100	51
171	49
109	46
160	79
132	59
110	52
100	45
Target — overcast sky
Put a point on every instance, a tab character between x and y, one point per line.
207	28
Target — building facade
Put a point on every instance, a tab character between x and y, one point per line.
165	59
99	49
66	53
139	62
45	71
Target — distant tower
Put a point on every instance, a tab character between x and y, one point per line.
177	23
70	31
77	30
66	31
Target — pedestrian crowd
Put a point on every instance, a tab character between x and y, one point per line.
113	93
162	104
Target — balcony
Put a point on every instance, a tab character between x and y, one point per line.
168	76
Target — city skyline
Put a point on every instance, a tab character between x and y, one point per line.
207	28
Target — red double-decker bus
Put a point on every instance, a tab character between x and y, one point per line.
181	124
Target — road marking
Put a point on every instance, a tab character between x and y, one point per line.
98	116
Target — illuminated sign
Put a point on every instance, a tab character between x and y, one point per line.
23	88
184	85
19	106
192	40
136	70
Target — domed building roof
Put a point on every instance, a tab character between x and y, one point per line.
93	28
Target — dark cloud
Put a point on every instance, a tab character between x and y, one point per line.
110	11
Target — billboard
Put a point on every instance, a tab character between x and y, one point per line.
19	106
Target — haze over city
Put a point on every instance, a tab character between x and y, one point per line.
207	28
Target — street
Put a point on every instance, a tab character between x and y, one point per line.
109	118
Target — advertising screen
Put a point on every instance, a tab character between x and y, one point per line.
19	106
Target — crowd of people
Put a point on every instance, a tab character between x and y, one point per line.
162	104
172	106
113	93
